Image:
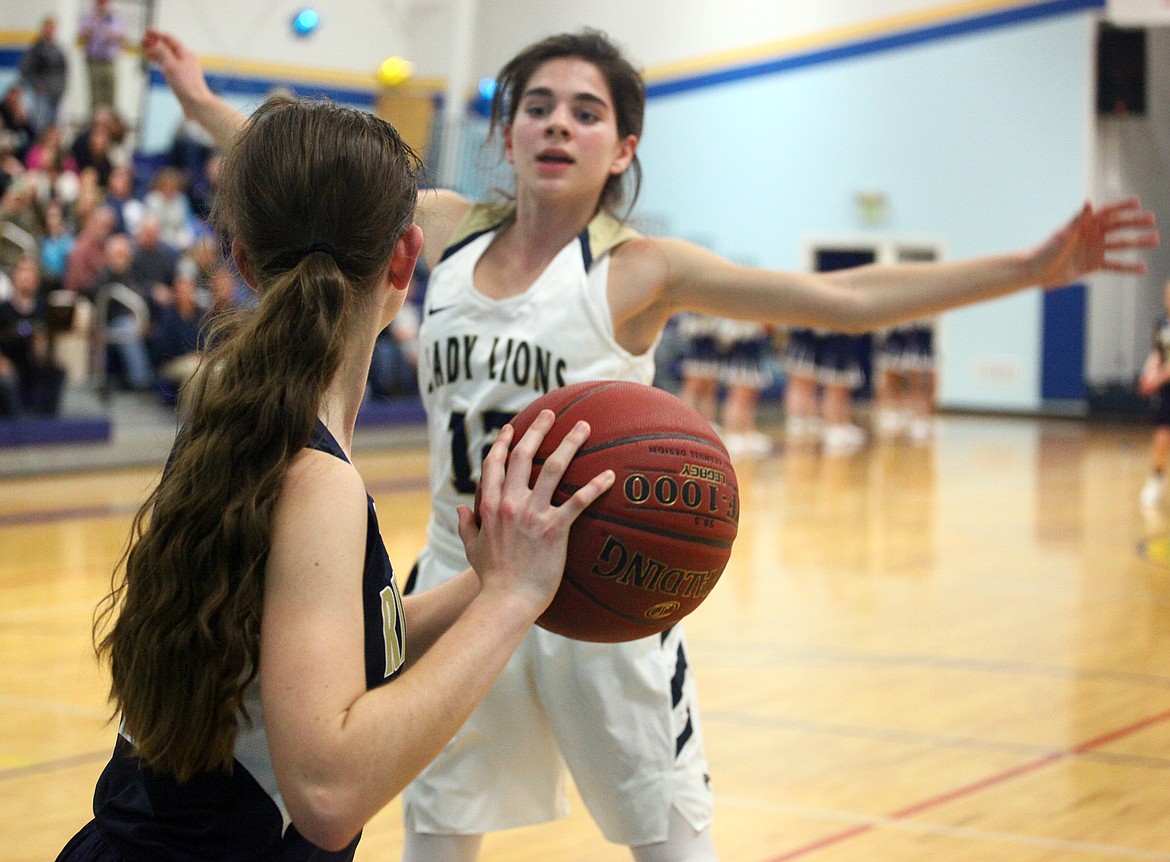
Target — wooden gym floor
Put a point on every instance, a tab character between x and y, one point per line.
956	651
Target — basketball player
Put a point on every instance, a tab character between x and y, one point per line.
904	394
1154	382
802	417
729	354
700	365
259	632
823	370
551	288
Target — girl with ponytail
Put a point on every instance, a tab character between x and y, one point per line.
274	688
556	268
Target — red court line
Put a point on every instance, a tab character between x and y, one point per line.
54	765
117	510
79	513
974	787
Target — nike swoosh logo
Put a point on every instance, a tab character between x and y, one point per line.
431	311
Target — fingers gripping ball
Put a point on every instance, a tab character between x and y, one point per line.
650	549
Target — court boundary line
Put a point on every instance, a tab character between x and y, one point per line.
43	766
768	654
971	788
942	829
112	510
932	740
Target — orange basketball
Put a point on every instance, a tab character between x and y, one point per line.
651	548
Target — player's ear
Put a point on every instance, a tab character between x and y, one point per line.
241	261
508	155
627	147
406	252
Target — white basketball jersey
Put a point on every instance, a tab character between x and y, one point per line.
482	360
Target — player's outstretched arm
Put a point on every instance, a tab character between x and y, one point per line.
665	276
184	75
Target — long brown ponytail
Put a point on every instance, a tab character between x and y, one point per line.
316	196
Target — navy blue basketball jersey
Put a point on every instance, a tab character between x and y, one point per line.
142	814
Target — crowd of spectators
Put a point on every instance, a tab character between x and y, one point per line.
109	249
109	269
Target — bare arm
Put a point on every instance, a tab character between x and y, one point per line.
184	75
438	213
1155	373
340	752
430	613
654	278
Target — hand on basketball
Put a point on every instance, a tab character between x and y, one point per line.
519	542
1090	241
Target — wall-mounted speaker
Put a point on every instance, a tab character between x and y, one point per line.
1121	70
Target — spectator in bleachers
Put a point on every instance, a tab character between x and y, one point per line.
127	334
45	70
55	246
167	202
18	207
48	143
128	210
203	186
177	335
89	184
25	342
87	201
204	255
117	265
228	290
103	36
54	181
121	141
154	262
93	149
14	117
191	148
10	166
88	256
393	367
9	389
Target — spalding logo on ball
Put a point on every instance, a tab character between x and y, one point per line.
651	548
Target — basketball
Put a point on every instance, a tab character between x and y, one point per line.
651	548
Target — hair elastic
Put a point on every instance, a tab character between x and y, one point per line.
320	246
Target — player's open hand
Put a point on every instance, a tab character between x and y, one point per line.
178	65
520	539
1092	240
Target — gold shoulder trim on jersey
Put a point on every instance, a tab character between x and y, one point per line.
606	233
479	218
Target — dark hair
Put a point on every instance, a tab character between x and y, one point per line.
626	88
316	196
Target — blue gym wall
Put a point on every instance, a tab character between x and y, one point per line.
977	138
